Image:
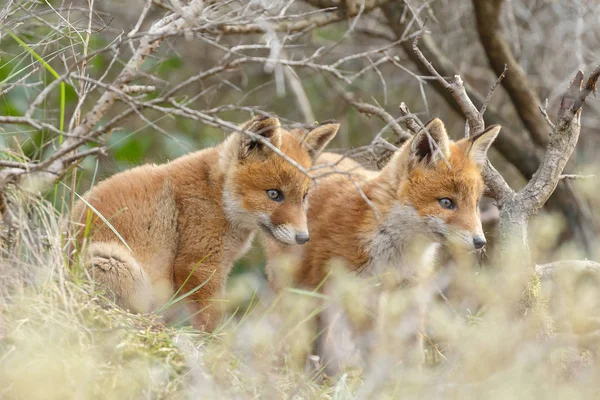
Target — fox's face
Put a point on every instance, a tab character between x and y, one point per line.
442	181
264	190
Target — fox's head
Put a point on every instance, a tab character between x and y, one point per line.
441	179
264	190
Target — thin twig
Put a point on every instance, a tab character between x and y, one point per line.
457	89
574	177
543	110
492	89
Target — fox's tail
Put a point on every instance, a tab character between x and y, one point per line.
113	267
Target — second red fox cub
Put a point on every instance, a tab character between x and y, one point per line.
428	192
185	222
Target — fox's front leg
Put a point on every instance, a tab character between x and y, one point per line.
206	283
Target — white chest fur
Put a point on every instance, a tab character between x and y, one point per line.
237	243
241	229
401	243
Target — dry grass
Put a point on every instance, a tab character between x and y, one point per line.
60	338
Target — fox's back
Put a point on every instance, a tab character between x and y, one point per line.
330	163
139	204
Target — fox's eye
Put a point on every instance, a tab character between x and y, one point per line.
275	195
304	197
447	203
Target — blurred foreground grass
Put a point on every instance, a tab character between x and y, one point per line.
60	338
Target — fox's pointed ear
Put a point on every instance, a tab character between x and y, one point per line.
431	144
316	140
480	144
267	127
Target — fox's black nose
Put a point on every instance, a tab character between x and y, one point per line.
478	242
301	237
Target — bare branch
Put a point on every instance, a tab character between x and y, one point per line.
491	92
141	19
561	145
379	112
86	153
138	89
498	51
291	26
410	123
31	122
544	111
513	146
546	271
13	164
575	177
457	89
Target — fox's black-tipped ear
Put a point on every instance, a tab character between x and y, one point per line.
316	140
268	127
481	143
431	147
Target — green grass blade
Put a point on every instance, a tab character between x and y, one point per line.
306	293
61	124
223	325
191	292
112	228
174	299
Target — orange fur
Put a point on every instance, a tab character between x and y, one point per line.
193	217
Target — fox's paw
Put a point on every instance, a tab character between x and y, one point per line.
105	263
123	280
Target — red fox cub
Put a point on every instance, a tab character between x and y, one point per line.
184	223
429	191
